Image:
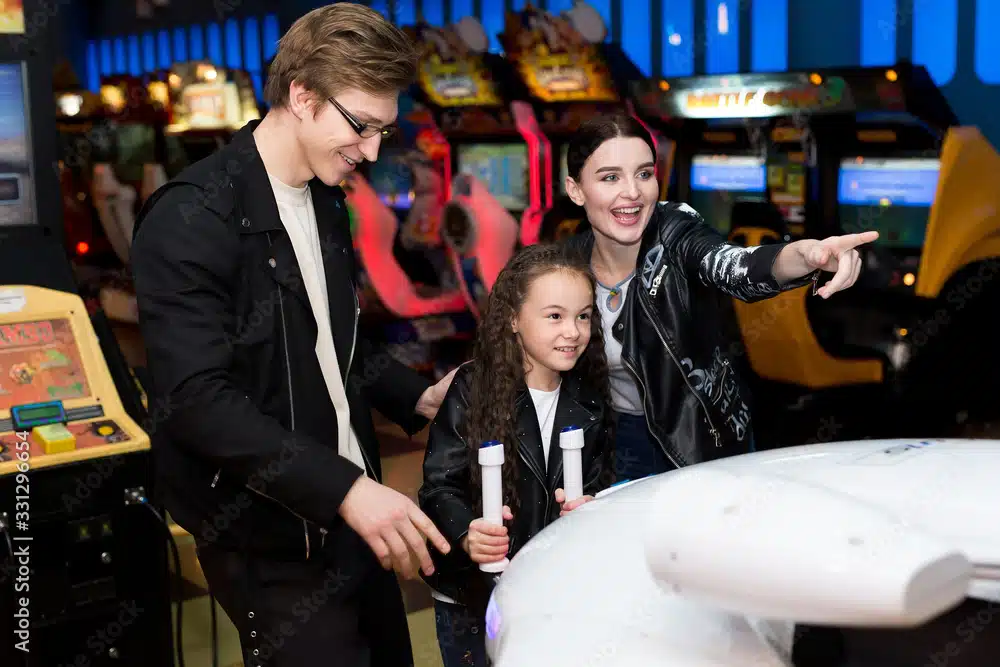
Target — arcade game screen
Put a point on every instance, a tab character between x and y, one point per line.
16	191
39	362
719	181
893	196
503	169
392	180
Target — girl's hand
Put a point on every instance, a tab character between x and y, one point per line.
487	542
568	507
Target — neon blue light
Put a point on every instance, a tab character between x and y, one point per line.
493	19
93	68
769	40
722	36
148	52
558	6
251	53
460	9
878	32
603	8
987	44
134	57
635	32
678	38
406	12
106	67
272	34
433	12
121	58
381	6
197	43
935	38
213	39
163	47
180	45
234	55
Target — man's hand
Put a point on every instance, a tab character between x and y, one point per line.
430	401
836	254
393	526
568	507
487	542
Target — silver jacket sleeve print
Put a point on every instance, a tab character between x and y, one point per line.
743	273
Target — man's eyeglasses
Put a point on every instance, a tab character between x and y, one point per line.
364	130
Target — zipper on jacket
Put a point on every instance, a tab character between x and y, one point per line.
350	362
291	396
645	412
659	334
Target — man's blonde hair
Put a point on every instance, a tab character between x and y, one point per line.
341	46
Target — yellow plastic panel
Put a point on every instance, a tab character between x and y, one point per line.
964	224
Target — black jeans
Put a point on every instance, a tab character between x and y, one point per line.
461	636
309	613
637	454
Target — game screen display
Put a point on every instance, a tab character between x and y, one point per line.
719	181
39	362
892	196
786	180
17	206
503	169
392	180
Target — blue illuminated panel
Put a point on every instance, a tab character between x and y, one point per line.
234	54
272	34
987	44
93	68
878	32
603	8
121	58
895	182
251	54
213	37
381	6
107	65
134	60
148	52
406	12
722	36
460	9
197	43
180	45
558	6
935	38
636	33
433	11
163	49
769	41
493	20
678	38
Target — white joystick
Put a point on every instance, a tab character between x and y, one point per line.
491	460
571	444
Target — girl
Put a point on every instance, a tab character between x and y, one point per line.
538	367
660	272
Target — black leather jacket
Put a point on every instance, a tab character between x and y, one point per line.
678	332
445	495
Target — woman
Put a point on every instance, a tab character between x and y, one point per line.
661	271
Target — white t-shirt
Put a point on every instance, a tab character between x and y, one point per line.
625	396
545	408
298	217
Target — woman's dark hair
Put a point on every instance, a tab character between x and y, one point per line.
594	132
498	371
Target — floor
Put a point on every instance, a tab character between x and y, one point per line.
401	463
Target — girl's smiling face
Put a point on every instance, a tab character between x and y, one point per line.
617	188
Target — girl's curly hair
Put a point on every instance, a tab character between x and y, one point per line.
498	372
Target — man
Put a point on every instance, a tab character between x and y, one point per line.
244	272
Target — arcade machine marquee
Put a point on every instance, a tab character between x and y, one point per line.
58	402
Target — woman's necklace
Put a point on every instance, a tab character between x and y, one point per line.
615	296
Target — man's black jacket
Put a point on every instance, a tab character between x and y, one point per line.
679	335
245	433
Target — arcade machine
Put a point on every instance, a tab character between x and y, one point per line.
571	75
409	297
495	147
208	104
81	551
882	150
